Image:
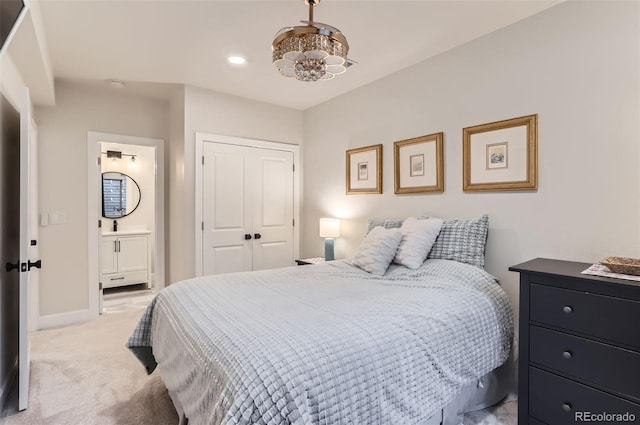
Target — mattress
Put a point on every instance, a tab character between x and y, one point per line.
325	344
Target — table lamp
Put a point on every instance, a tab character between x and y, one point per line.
329	229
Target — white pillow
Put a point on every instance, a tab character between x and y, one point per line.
377	250
418	236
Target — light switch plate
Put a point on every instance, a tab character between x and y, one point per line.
57	218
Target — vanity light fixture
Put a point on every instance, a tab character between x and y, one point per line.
117	155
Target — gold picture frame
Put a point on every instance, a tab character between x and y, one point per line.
419	164
501	155
364	170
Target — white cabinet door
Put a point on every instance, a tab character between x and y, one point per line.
108	254
132	253
247	208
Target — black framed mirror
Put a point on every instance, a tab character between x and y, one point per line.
120	195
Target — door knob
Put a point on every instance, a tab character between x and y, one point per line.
257	235
11	266
247	236
37	264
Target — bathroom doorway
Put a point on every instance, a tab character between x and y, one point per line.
126	208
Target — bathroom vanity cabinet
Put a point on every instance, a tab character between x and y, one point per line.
124	258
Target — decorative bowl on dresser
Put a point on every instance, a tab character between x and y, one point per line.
579	346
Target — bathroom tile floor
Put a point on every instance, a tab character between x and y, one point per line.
118	300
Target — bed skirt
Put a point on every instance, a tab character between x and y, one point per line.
486	391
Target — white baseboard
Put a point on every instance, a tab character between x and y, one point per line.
64	319
5	389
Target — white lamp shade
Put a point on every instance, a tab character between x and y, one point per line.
329	228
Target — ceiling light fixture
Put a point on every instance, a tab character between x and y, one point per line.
236	60
312	52
116	84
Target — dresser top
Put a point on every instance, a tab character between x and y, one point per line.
572	269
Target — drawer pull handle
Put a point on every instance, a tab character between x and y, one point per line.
117	278
567	354
567	309
567	407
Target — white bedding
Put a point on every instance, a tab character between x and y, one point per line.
325	344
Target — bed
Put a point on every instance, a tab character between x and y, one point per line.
330	344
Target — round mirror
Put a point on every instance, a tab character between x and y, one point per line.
120	195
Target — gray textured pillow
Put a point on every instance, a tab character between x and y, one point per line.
462	240
377	250
388	223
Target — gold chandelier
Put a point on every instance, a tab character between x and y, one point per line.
312	52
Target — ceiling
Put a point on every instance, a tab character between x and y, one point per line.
187	42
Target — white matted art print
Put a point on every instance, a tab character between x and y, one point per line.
419	164
501	155
497	155
364	170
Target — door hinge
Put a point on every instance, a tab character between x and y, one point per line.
294	168
203	225
293	221
202	159
99	224
99	161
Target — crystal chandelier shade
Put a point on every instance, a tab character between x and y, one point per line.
312	52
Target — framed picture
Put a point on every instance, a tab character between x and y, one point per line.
419	164
364	170
501	155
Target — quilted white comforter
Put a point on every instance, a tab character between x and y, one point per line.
325	344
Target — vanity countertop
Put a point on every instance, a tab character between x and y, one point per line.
126	232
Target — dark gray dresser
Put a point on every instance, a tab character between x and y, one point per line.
579	346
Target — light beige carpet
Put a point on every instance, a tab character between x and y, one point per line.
84	375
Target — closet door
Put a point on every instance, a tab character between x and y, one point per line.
273	209
226	209
247	208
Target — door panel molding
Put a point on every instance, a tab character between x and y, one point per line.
200	139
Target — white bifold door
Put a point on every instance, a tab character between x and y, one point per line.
247	208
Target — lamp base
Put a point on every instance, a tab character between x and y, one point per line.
328	249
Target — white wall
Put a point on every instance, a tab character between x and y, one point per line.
217	113
577	65
143	173
11	83
63	169
174	162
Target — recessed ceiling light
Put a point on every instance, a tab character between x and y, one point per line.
118	84
236	60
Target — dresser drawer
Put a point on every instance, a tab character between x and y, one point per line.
556	401
610	367
612	319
